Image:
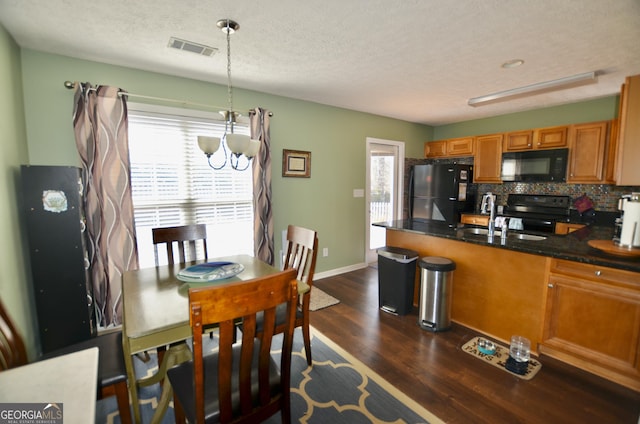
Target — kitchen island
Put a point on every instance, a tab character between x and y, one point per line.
573	302
572	247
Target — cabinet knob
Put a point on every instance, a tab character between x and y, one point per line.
598	273
529	145
550	285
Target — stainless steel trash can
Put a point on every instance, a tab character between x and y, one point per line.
396	279
436	281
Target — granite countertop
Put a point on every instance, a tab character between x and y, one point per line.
573	246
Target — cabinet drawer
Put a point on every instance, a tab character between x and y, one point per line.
566	228
475	219
596	273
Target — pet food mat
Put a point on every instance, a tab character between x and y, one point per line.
499	359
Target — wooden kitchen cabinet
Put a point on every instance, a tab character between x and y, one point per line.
627	171
518	140
462	146
612	149
541	138
474	219
551	138
588	152
487	164
435	149
592	320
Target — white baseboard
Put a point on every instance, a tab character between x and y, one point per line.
338	271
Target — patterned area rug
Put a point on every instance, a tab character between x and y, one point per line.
336	389
499	359
321	300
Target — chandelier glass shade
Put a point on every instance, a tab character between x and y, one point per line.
239	145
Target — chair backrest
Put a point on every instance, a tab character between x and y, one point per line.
186	237
224	305
302	252
12	349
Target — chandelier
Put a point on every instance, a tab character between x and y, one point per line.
239	145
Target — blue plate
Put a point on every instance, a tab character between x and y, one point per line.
210	271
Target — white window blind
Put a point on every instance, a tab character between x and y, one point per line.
172	184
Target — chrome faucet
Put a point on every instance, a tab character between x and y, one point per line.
492	215
505	228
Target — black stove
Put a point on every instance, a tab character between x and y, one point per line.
538	212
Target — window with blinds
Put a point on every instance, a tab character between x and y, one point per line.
172	183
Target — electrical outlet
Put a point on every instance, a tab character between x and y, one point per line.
325	252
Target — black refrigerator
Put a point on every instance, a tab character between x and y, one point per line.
54	218
440	192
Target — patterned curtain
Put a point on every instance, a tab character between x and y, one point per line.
101	132
262	210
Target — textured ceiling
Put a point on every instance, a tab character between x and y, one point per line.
415	60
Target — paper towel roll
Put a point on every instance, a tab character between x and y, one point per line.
630	235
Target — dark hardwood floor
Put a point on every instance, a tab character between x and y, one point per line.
434	371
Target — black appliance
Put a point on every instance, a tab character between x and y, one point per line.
538	212
440	192
535	166
54	217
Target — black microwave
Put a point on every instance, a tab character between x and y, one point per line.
535	166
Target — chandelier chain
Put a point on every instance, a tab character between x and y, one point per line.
229	86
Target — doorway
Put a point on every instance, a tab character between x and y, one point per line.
383	193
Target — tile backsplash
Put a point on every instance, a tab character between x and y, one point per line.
605	197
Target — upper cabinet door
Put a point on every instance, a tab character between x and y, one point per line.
460	146
487	164
627	169
551	138
518	140
588	147
435	148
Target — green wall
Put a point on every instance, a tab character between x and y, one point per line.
336	138
590	111
14	292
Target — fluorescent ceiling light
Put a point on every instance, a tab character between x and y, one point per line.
537	88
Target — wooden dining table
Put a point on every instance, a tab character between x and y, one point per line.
156	313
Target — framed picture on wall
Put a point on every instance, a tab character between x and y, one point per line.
296	163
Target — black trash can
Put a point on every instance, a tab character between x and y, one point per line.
396	277
436	281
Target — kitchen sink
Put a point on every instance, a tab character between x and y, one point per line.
481	231
523	236
497	233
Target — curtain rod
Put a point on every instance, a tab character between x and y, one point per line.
71	85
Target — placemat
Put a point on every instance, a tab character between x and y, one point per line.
499	359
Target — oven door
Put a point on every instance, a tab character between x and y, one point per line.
541	225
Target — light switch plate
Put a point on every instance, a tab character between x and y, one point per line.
358	192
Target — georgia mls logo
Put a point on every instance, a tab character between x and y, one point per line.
31	413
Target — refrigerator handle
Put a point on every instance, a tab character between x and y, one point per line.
411	193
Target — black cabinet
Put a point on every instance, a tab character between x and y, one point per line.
52	202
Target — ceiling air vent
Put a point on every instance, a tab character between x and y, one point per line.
190	46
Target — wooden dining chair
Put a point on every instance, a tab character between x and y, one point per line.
301	255
112	375
239	382
186	237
